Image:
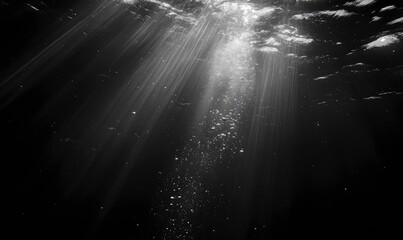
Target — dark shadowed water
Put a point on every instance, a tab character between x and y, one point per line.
201	119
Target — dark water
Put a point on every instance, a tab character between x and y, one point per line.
201	119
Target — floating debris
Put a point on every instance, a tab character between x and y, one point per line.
335	13
360	3
382	41
372	98
391	7
398	20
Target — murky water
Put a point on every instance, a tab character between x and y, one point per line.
202	119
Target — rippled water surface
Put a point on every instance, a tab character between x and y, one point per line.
202	119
